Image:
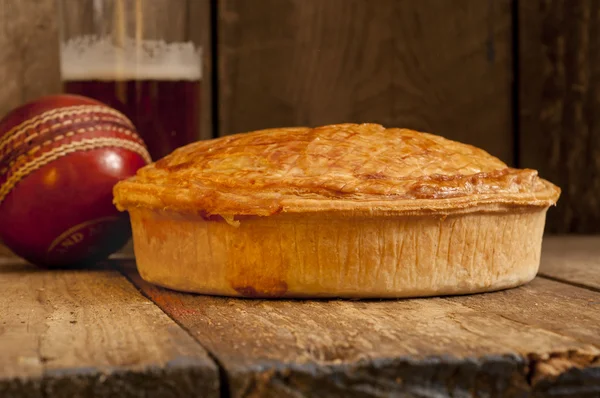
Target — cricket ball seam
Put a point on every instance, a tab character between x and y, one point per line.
94	118
57	126
69	134
56	153
44	117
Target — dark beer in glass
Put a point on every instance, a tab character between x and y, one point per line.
151	75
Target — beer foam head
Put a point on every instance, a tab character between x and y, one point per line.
94	58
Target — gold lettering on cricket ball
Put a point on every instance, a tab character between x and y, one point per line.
80	233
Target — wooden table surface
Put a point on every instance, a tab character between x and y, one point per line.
103	332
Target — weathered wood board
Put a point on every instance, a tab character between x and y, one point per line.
559	99
508	343
572	259
91	333
439	66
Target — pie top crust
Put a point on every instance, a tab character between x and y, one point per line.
356	168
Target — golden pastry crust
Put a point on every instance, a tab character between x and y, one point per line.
345	167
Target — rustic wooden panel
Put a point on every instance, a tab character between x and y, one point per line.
573	259
303	62
423	347
29	65
560	101
440	66
91	333
452	70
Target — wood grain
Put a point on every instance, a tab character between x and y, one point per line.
424	347
559	53
90	333
432	65
560	309
29	65
572	259
452	71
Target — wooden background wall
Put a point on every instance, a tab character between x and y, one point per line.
517	78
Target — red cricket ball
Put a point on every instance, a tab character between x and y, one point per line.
60	157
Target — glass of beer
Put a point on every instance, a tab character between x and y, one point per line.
139	57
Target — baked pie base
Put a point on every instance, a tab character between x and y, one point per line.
338	253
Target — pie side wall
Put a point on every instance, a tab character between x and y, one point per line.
316	255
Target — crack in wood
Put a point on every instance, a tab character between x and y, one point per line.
223	384
544	371
569	282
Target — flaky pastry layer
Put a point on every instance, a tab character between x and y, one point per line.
344	167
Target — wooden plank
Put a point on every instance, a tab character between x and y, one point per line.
432	65
452	70
297	62
91	333
561	309
29	65
559	68
572	259
425	347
